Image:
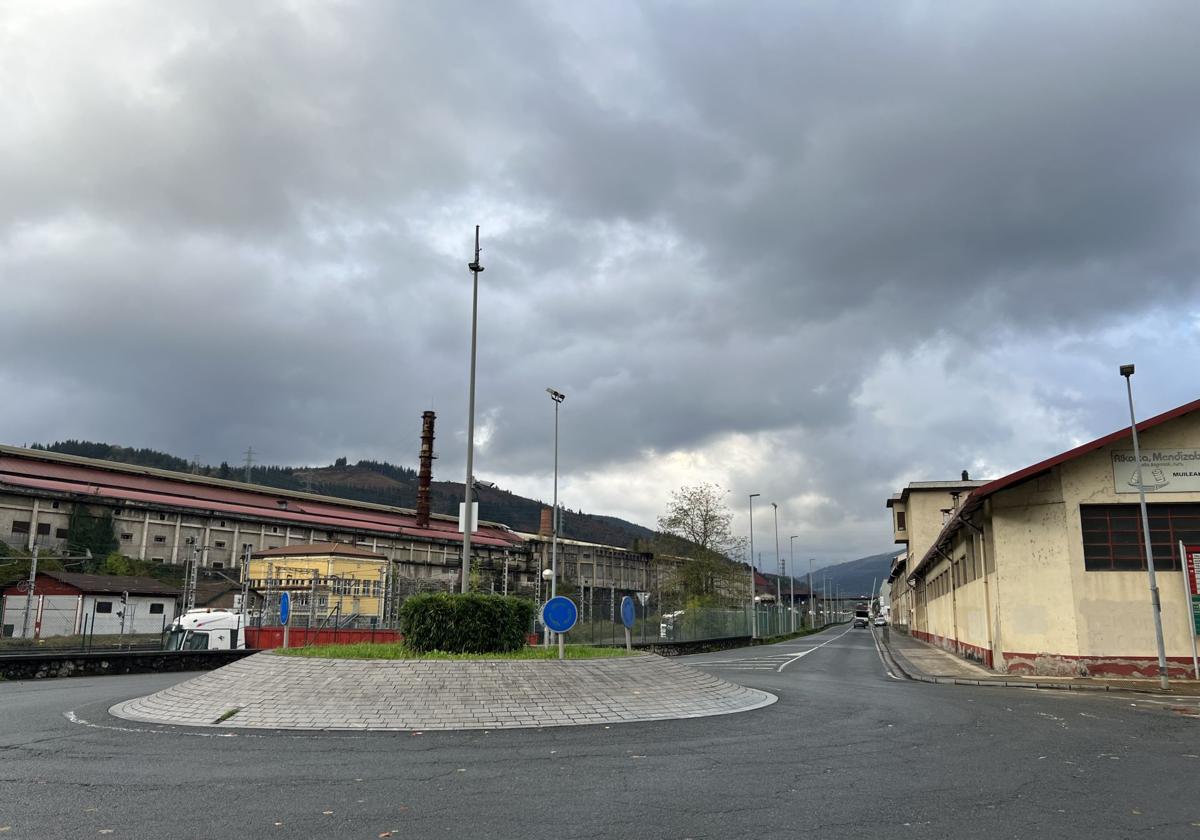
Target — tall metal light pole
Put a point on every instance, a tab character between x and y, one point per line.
1156	605
468	485
753	606
792	578
812	598
779	562
558	398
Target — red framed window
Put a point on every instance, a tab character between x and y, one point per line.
1113	541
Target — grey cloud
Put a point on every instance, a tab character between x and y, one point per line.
252	225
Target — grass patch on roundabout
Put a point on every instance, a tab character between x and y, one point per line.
398	650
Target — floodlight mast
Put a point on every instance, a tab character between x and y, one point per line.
468	485
558	397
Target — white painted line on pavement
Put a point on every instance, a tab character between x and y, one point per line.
882	661
804	653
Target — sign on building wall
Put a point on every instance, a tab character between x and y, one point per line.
1191	567
1163	471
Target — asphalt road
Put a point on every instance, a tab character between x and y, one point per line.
847	752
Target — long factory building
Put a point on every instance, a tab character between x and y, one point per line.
168	517
1044	570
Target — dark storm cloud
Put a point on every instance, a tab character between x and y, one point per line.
251	225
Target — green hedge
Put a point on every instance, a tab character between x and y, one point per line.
465	623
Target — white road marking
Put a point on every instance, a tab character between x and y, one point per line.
804	653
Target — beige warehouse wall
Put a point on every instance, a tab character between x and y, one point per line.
1030	540
1115	617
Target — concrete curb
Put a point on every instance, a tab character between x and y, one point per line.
917	676
267	691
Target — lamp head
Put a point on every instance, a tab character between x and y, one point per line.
755	495
547	574
1127	370
556	395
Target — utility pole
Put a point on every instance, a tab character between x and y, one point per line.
245	585
753	605
468	520
812	599
792	580
249	462
29	592
779	562
189	595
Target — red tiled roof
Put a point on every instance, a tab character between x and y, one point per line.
36	470
112	584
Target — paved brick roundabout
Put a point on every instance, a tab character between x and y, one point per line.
267	691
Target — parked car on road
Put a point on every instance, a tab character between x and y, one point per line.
880	621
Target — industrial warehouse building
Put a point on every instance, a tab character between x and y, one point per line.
70	603
344	580
173	518
1043	571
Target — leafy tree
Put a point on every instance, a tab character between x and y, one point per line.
699	515
92	532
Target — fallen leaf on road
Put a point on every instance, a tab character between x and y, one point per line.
385	834
327	813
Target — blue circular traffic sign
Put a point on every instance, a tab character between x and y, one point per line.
285	607
560	614
627	613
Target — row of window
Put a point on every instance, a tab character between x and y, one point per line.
1113	539
21	528
106	607
337	586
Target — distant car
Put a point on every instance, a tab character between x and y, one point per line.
860	621
880	621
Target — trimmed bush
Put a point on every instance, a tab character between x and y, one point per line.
465	623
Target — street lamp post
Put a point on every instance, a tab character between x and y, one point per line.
1156	605
812	599
792	579
558	398
779	561
753	607
468	520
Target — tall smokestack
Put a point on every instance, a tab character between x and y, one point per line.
425	476
546	526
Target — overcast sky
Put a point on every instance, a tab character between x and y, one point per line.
810	250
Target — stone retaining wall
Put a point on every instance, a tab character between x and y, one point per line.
45	665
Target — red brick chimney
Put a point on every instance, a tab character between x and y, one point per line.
425	476
546	528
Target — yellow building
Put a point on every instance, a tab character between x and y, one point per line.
1044	570
345	580
919	512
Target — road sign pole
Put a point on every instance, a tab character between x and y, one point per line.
1190	579
561	651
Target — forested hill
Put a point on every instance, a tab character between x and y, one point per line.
379	482
856	577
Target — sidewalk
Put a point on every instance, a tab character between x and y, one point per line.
928	663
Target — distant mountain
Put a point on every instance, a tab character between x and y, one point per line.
855	577
381	483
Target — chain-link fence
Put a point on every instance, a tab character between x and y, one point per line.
661	618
